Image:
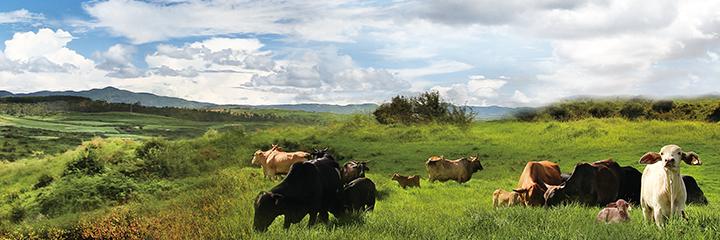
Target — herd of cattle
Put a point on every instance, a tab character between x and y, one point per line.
316	185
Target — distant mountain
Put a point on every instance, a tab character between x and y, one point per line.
114	95
314	107
492	112
5	93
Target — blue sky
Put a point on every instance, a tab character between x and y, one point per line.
480	52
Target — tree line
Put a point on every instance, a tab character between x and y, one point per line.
699	109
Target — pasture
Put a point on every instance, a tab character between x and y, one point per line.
215	199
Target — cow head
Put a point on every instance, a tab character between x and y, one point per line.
670	156
396	177
257	157
531	196
267	207
621	205
319	153
555	194
475	164
353	170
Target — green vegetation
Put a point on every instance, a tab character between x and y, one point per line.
700	109
203	187
426	108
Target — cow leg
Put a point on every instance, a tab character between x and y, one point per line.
286	224
324	217
647	213
313	219
659	218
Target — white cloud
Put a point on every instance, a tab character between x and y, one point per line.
478	90
19	16
44	51
435	67
118	61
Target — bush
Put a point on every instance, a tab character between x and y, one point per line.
601	111
86	164
715	115
663	106
529	114
17	214
558	113
116	187
425	108
153	163
632	110
43	181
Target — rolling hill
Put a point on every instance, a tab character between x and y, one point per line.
115	95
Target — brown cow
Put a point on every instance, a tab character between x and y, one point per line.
277	161
407	181
353	170
460	170
596	183
531	185
502	198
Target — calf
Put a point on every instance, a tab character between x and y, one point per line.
356	196
407	181
663	192
502	198
615	212
460	170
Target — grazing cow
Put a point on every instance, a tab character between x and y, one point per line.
329	171
277	161
356	196
695	195
663	191
596	183
615	212
502	198
531	185
353	170
460	170
630	185
407	181
260	156
299	194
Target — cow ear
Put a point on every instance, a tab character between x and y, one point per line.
650	158
691	158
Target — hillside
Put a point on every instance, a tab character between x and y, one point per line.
114	95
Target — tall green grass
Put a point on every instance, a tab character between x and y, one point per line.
211	195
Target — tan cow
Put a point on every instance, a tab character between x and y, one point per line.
460	170
277	161
534	180
407	181
502	198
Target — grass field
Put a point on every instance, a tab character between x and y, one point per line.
214	201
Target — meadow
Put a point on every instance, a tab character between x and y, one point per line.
203	187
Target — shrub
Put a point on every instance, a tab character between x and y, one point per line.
558	113
632	110
153	163
425	108
715	115
601	111
663	106
116	187
17	214
528	114
43	181
86	164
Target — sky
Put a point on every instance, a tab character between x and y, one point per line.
482	52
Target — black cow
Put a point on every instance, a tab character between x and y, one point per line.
310	188
299	194
694	193
329	171
630	185
356	196
596	183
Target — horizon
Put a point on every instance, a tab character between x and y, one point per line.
475	53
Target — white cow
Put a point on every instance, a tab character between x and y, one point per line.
662	192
